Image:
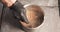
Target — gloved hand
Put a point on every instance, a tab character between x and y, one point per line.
18	7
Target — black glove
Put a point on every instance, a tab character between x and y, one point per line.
20	12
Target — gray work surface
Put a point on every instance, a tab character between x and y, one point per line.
51	19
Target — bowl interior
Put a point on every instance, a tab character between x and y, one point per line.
35	15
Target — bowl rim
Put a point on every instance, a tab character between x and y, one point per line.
40	24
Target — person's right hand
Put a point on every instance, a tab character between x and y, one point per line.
9	2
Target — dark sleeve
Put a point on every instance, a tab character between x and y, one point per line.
1	6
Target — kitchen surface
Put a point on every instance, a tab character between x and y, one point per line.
51	21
